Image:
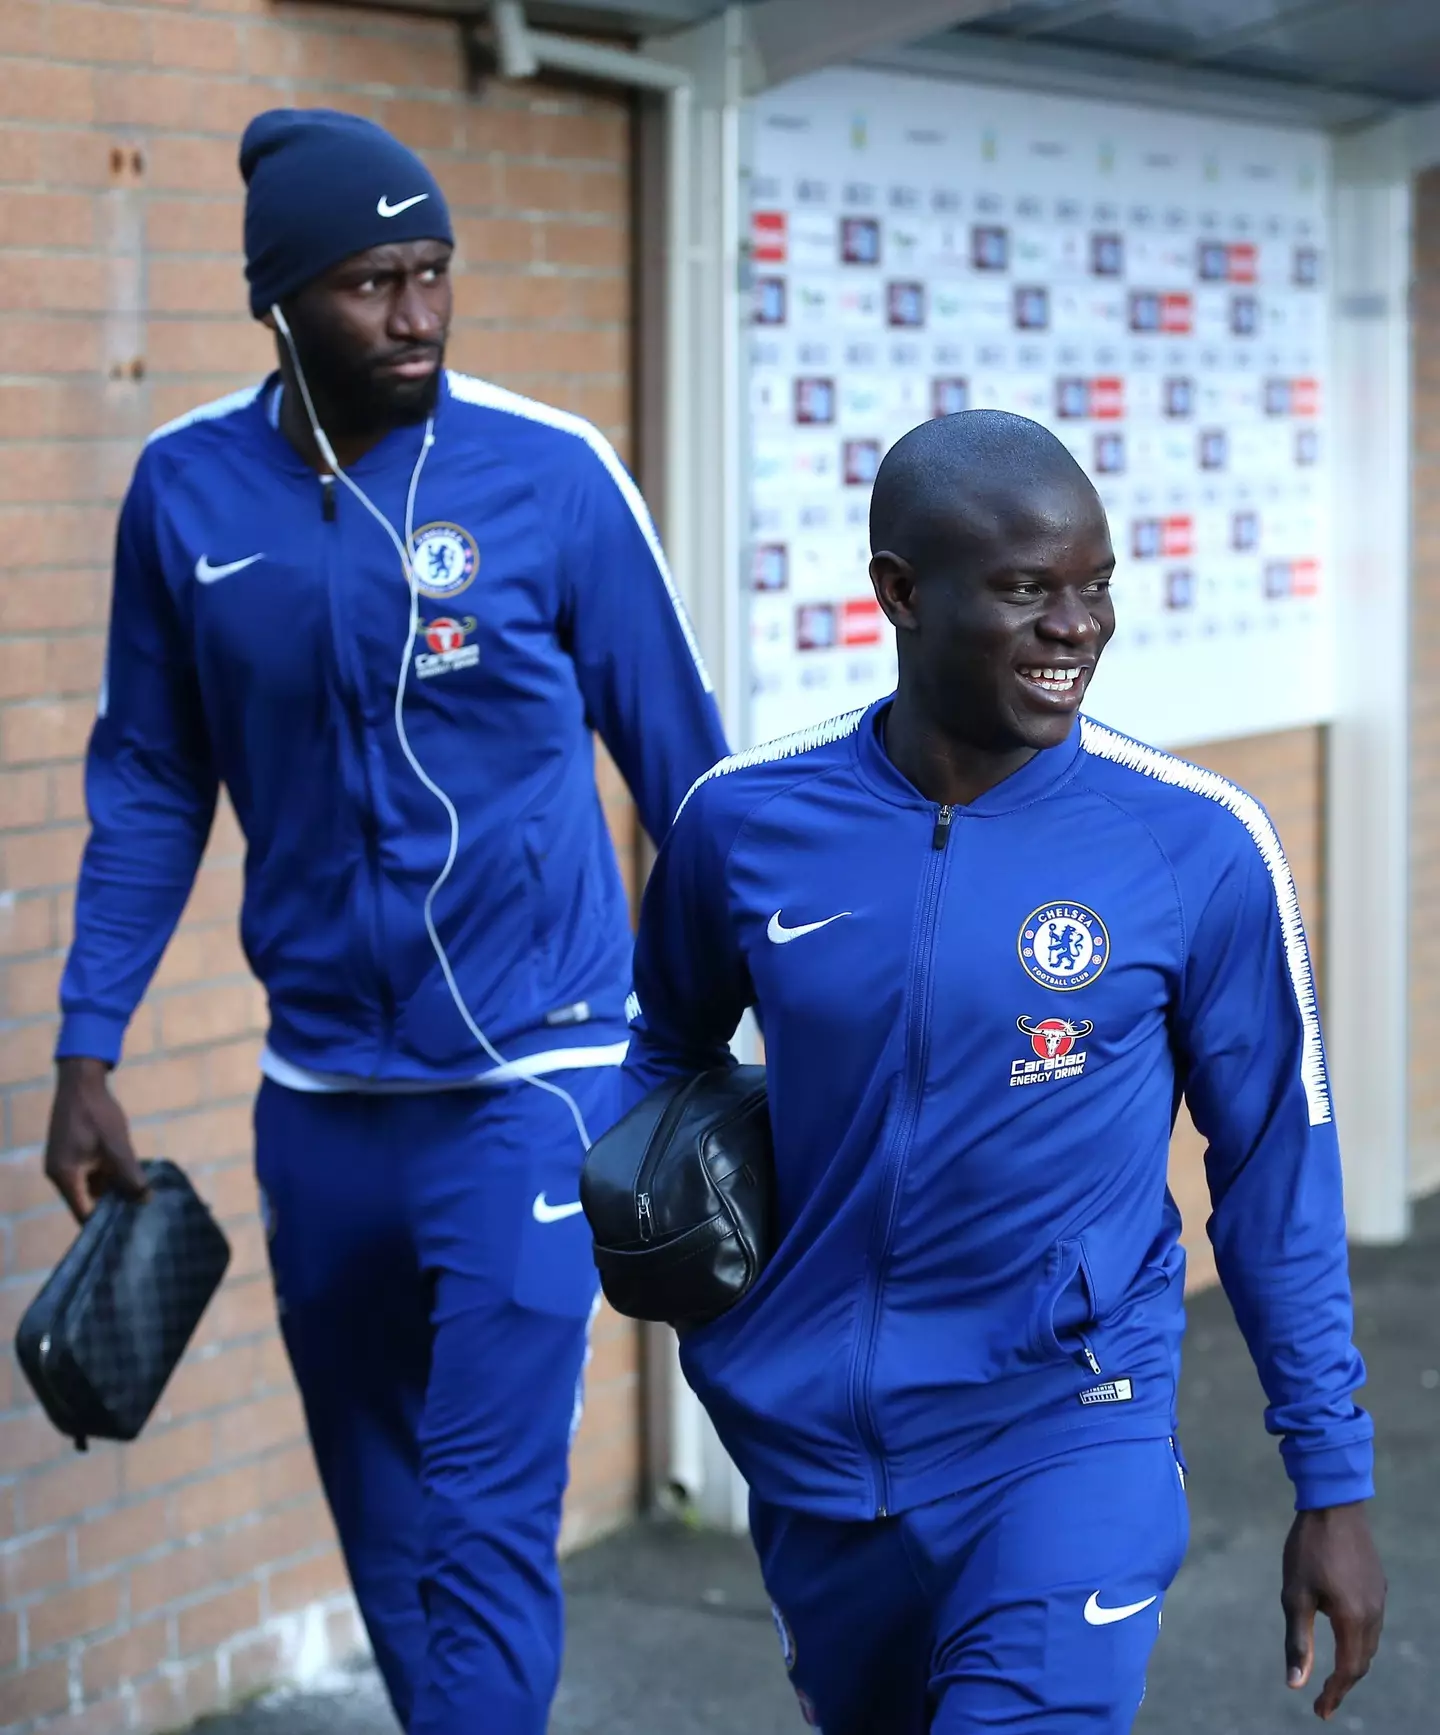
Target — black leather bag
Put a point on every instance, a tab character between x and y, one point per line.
101	1339
680	1198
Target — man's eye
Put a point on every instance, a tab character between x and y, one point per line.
1097	587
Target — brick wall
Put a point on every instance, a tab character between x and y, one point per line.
1425	696
144	1585
1286	773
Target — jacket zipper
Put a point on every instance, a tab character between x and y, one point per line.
369	818
917	1043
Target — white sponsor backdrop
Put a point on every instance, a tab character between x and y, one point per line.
1149	284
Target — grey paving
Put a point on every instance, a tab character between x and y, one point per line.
670	1633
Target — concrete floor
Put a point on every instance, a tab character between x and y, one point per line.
670	1631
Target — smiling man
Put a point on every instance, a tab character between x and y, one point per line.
991	944
385	606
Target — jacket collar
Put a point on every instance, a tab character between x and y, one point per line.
1035	779
398	450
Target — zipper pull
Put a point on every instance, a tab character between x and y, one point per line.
647	1222
327	497
1092	1361
942	827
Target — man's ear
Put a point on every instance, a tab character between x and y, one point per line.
894	581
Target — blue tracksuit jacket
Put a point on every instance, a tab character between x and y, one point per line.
978	1024
256	640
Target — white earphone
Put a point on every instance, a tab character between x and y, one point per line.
403	549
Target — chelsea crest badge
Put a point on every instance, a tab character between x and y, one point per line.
1063	946
445	559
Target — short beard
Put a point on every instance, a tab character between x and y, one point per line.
351	397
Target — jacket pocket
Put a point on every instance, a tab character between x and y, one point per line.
1065	1314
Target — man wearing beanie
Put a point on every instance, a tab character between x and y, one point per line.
384	606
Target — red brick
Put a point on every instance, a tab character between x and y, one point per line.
76	1484
106	33
30	860
75	665
204	1016
214	286
272	1421
24	795
22	28
238	1310
285	1478
126	1532
168	1455
485	242
46	219
111	1663
205	1625
23	1186
294	1587
202	44
209	1381
9	1642
217	892
39	90
58	729
255	1663
108	1716
234	1070
229	1190
34	1564
219	1499
214	1135
247	1248
275	1538
178	1696
188	1569
37	1691
26	1052
67	791
71	1614
38	1242
596	246
67	344
194	226
159	1086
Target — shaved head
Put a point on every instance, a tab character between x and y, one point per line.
992	561
964	483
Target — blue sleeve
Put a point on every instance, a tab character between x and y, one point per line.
692	985
150	787
645	687
1253	1064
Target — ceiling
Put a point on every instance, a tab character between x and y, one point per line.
1386	52
1389	49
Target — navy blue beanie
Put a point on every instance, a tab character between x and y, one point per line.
322	185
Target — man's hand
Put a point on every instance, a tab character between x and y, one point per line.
88	1151
1331	1567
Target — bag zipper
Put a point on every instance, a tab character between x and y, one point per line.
82	1443
653	1153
